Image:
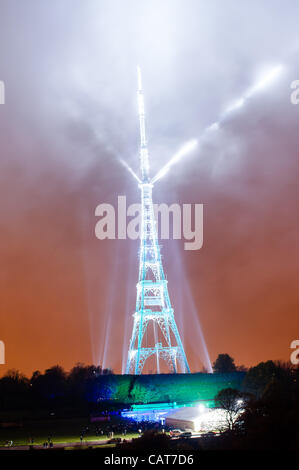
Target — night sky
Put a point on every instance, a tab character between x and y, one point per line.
70	114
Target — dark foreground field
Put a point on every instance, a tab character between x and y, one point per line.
64	431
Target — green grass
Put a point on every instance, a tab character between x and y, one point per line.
20	439
63	431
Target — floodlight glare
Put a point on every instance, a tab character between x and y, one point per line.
201	408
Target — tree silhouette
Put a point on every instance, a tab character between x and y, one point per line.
14	390
232	402
270	421
224	364
258	377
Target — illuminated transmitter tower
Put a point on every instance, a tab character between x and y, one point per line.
155	334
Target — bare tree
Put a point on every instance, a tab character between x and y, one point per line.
232	401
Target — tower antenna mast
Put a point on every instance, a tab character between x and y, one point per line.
155	334
144	162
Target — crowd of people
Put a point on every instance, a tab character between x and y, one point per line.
122	428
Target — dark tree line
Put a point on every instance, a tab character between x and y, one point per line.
270	400
270	395
225	364
51	390
264	415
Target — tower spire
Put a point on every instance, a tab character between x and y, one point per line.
144	163
155	334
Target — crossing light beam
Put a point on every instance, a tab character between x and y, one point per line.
130	170
265	81
187	148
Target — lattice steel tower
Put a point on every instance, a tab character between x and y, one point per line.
155	332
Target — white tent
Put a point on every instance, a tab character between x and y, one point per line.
197	419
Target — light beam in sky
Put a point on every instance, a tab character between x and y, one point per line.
265	81
188	147
237	104
129	169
